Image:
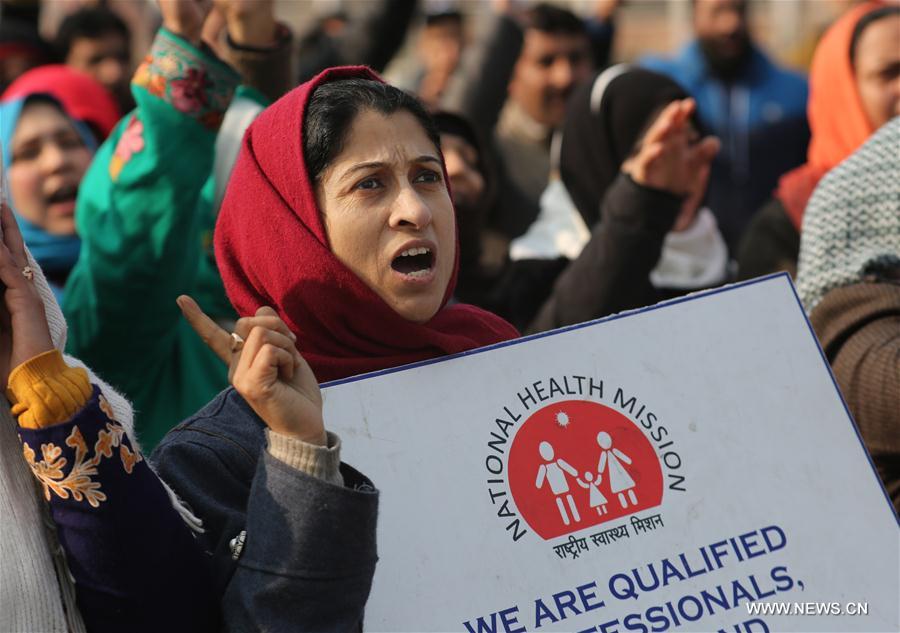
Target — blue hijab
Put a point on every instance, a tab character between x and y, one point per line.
56	254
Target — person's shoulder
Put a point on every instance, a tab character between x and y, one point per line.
657	63
865	179
665	64
227	426
772	212
847	309
878	155
686	66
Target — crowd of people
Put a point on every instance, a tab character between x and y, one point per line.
191	246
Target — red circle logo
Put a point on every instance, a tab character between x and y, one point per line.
575	464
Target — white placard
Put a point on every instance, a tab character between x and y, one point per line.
658	470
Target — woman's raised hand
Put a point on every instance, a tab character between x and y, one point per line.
185	17
24	332
670	157
266	369
249	22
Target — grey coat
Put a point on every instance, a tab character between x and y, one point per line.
308	552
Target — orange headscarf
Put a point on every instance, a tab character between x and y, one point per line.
837	120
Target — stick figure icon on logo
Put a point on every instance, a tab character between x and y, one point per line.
620	481
597	499
554	471
597	467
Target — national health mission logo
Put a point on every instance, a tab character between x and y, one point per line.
572	453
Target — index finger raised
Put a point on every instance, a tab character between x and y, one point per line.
218	340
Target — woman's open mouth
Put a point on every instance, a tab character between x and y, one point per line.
62	200
414	263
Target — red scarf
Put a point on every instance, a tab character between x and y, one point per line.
272	249
837	120
82	97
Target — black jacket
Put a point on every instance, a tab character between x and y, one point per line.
771	243
611	274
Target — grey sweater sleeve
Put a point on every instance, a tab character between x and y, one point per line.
319	461
289	550
309	552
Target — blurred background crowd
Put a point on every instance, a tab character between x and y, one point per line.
118	150
602	155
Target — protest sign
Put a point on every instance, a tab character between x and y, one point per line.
658	470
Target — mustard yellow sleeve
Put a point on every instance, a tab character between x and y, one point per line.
45	391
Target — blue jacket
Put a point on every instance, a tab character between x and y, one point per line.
761	120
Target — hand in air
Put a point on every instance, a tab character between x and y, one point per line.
185	17
267	370
249	22
671	157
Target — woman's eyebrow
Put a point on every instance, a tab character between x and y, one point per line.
26	142
41	135
424	158
363	166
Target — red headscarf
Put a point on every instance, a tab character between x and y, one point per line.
272	249
82	97
837	119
